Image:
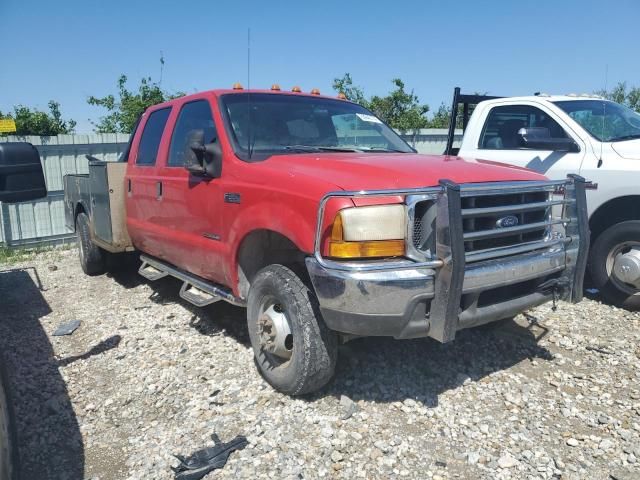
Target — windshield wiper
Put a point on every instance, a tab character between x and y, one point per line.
381	149
319	148
328	148
625	137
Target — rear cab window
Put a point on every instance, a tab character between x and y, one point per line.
151	137
501	128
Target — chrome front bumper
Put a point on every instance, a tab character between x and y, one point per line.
407	299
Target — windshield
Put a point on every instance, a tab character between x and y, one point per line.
605	121
263	124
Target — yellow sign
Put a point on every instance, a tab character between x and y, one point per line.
7	125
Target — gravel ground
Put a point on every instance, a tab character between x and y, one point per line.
145	376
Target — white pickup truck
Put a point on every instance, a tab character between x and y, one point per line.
556	135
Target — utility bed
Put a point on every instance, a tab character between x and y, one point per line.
100	194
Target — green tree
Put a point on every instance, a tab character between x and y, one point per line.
123	111
440	118
354	93
629	97
400	109
31	121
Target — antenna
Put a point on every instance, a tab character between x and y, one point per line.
249	143
604	111
161	66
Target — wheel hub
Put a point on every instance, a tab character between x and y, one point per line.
275	334
626	266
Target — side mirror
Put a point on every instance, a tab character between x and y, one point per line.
201	159
539	138
21	176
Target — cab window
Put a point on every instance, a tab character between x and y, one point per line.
193	116
151	136
503	123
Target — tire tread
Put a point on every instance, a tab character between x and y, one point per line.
93	260
318	358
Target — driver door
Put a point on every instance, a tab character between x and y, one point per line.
189	206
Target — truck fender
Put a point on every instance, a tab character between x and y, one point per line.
78	208
279	222
614	211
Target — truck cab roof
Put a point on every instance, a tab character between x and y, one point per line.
543	97
296	91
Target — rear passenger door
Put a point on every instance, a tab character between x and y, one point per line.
190	208
499	140
142	182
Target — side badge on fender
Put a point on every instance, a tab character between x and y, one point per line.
232	198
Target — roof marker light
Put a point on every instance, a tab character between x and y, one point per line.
237	86
315	91
296	89
342	96
275	87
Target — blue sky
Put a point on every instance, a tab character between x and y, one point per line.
69	49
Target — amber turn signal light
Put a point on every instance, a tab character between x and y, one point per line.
371	249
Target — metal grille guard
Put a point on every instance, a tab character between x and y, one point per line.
449	262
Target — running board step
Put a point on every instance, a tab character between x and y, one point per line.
199	298
150	272
195	290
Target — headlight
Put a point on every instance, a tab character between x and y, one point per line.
369	232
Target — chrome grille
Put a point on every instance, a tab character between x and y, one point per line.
481	216
485	235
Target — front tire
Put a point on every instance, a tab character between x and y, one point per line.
617	239
304	361
92	257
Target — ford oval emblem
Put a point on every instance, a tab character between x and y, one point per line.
506	222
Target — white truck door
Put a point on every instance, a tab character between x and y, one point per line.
494	136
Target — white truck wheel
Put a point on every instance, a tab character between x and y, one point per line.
614	264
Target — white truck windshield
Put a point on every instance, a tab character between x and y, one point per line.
605	121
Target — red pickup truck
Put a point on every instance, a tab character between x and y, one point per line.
326	225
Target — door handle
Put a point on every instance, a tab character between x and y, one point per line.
129	186
159	190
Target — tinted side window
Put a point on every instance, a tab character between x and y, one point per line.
193	116
151	135
502	125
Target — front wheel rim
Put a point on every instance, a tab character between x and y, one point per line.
274	331
615	262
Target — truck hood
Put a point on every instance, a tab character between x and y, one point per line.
371	171
629	149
